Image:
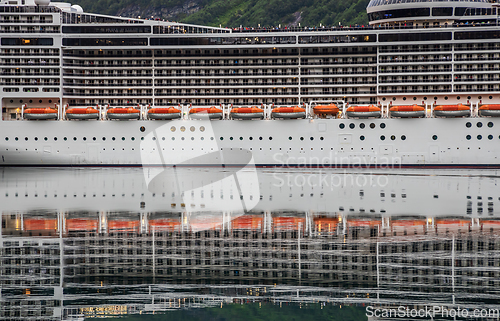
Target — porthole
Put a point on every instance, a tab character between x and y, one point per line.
163	138
123	138
16	138
362	137
468	137
66	138
104	138
414	98
479	125
393	137
50	101
21	101
393	98
84	138
468	97
301	138
435	98
93	138
45	138
290	138
382	137
372	125
202	128
458	97
55	138
351	126
260	138
182	138
251	138
425	98
132	138
203	138
446	98
31	101
270	138
192	128
403	137
230	138
142	129
7	138
211	138
172	129
490	137
183	129
74	138
26	138
434	137
222	138
362	125
382	125
468	125
480	97
383	99
241	138
142	138
479	137
321	138
192	138
173	138
490	124
36	138
342	125
490	97
404	98
312	138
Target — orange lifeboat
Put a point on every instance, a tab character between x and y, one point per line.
123	113
363	112
288	113
205	113
164	113
324	110
247	113
40	113
489	111
414	111
452	111
82	113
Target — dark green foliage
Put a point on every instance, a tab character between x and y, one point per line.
256	312
247	13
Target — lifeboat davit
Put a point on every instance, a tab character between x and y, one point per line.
205	113
452	111
164	113
489	111
123	113
363	112
331	109
82	113
414	111
247	113
40	113
288	112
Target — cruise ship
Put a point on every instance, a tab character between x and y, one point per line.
417	87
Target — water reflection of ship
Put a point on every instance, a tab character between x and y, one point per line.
97	262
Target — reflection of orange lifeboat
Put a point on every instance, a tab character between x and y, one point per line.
325	224
123	113
82	113
164	224
247	222
489	111
331	109
414	111
288	112
406	223
35	224
452	111
453	222
205	113
247	113
78	224
363	111
288	223
123	225
363	223
164	113
40	113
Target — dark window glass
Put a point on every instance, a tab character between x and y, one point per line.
427	36
399	13
27	41
442	11
105	42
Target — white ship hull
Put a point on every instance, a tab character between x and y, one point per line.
430	142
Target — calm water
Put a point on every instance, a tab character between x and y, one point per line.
267	244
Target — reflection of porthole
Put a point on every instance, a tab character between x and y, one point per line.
192	128
142	129
202	129
183	129
172	129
